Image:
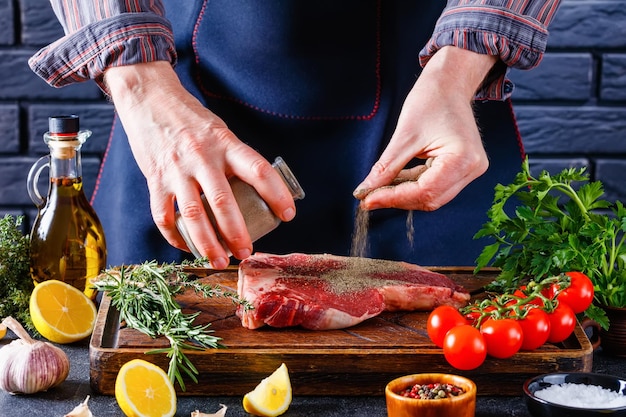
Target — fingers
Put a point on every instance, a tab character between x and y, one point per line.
232	213
434	187
385	170
270	185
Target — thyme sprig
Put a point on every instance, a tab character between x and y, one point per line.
145	296
17	283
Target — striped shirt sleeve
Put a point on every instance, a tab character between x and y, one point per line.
104	33
514	30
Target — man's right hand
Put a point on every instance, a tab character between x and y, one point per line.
184	150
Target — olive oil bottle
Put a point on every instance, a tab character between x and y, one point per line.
67	241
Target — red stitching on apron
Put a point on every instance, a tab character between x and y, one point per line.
518	135
104	158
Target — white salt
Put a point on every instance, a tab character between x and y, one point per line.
582	396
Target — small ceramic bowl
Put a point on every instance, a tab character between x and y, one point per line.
463	405
539	407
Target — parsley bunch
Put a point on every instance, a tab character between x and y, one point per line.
145	296
561	224
16	283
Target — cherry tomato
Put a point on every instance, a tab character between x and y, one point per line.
579	294
535	327
464	347
562	323
503	337
440	320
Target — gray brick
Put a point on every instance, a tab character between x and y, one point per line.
572	130
95	117
612	173
14	175
17	81
613	81
7	28
559	76
10	128
39	24
589	24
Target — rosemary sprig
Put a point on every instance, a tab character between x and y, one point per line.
145	295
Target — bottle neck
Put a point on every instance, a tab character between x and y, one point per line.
65	159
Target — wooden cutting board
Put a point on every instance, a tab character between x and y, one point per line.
356	361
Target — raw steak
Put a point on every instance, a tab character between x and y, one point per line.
321	292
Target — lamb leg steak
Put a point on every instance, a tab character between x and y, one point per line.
321	292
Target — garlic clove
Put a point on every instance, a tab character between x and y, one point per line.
28	366
81	410
220	413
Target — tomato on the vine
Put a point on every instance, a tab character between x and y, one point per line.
535	327
474	315
464	347
562	323
440	320
521	293
579	294
503	337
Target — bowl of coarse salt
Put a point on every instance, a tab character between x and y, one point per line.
576	394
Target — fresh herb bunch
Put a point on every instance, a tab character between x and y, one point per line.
145	295
16	283
562	224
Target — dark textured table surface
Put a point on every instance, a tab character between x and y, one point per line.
62	399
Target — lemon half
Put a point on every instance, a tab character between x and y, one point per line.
142	389
61	313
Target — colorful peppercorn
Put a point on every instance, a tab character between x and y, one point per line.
432	391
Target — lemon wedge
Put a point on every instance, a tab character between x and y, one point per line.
272	396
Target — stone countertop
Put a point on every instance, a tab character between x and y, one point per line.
62	399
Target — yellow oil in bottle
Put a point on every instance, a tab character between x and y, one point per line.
67	241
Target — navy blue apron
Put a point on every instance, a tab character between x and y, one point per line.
320	84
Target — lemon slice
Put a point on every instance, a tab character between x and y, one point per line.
272	396
142	389
61	313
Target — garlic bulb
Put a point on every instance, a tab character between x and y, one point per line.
28	366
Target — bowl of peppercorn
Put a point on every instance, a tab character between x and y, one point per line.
431	395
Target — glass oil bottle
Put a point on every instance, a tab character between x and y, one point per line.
67	241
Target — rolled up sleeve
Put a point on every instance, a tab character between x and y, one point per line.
515	30
100	34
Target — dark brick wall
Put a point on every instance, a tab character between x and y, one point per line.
571	109
26	102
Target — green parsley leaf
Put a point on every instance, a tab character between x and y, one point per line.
559	223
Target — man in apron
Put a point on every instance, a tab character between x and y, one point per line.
335	88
